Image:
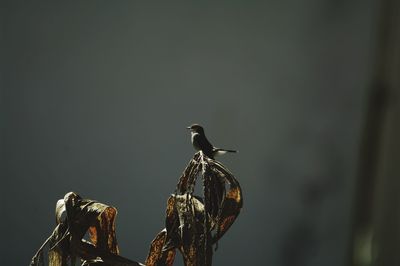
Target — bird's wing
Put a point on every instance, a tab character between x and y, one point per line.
203	144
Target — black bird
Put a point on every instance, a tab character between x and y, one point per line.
201	143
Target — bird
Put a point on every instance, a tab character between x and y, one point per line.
201	143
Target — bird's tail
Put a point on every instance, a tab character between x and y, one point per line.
219	151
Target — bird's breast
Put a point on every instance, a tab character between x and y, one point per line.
195	142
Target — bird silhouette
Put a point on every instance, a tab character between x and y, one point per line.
201	143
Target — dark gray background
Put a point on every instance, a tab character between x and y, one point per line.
96	96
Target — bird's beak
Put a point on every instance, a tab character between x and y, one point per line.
188	127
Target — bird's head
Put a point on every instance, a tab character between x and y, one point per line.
196	128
